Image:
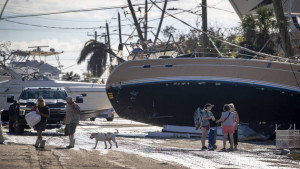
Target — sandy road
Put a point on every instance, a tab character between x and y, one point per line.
137	151
27	157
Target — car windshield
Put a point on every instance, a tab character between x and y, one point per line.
45	93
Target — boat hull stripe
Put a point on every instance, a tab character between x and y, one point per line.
218	65
208	78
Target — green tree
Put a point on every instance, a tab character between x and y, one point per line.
192	42
168	30
70	76
98	57
257	30
5	52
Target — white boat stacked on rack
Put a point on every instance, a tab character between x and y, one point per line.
95	98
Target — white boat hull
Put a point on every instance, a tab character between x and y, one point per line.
95	100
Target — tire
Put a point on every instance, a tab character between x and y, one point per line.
110	119
5	115
11	128
93	119
20	130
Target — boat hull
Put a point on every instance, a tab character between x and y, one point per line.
167	99
94	103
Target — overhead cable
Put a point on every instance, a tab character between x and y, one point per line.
75	11
56	27
229	43
217	8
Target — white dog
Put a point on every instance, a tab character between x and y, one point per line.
105	137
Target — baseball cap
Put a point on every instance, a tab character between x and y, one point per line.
41	98
209	105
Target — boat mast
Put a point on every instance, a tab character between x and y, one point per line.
137	25
161	20
120	32
146	20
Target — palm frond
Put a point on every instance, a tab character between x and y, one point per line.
98	56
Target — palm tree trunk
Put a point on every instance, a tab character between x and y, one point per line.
282	24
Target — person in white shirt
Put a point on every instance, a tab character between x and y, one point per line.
71	119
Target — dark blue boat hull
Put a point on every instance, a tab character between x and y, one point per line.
174	102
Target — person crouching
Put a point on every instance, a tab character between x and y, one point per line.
42	110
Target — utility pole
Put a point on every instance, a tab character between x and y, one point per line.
161	19
107	34
204	28
95	35
146	19
120	32
108	41
137	25
282	24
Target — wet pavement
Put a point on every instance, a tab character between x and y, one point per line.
132	140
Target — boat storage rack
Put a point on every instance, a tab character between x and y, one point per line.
287	139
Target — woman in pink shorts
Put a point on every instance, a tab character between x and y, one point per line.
227	119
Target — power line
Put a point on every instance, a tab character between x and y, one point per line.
54	27
75	11
229	43
218	9
63	20
40	30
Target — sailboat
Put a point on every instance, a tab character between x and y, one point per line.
168	90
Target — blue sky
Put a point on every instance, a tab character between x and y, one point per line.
71	41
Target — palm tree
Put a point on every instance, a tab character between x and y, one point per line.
71	76
98	57
257	30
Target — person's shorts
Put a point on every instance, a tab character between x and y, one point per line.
228	129
206	127
72	128
41	126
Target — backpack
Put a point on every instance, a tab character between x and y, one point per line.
198	120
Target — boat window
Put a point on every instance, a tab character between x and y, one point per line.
168	65
146	66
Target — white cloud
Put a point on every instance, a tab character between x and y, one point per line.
72	43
